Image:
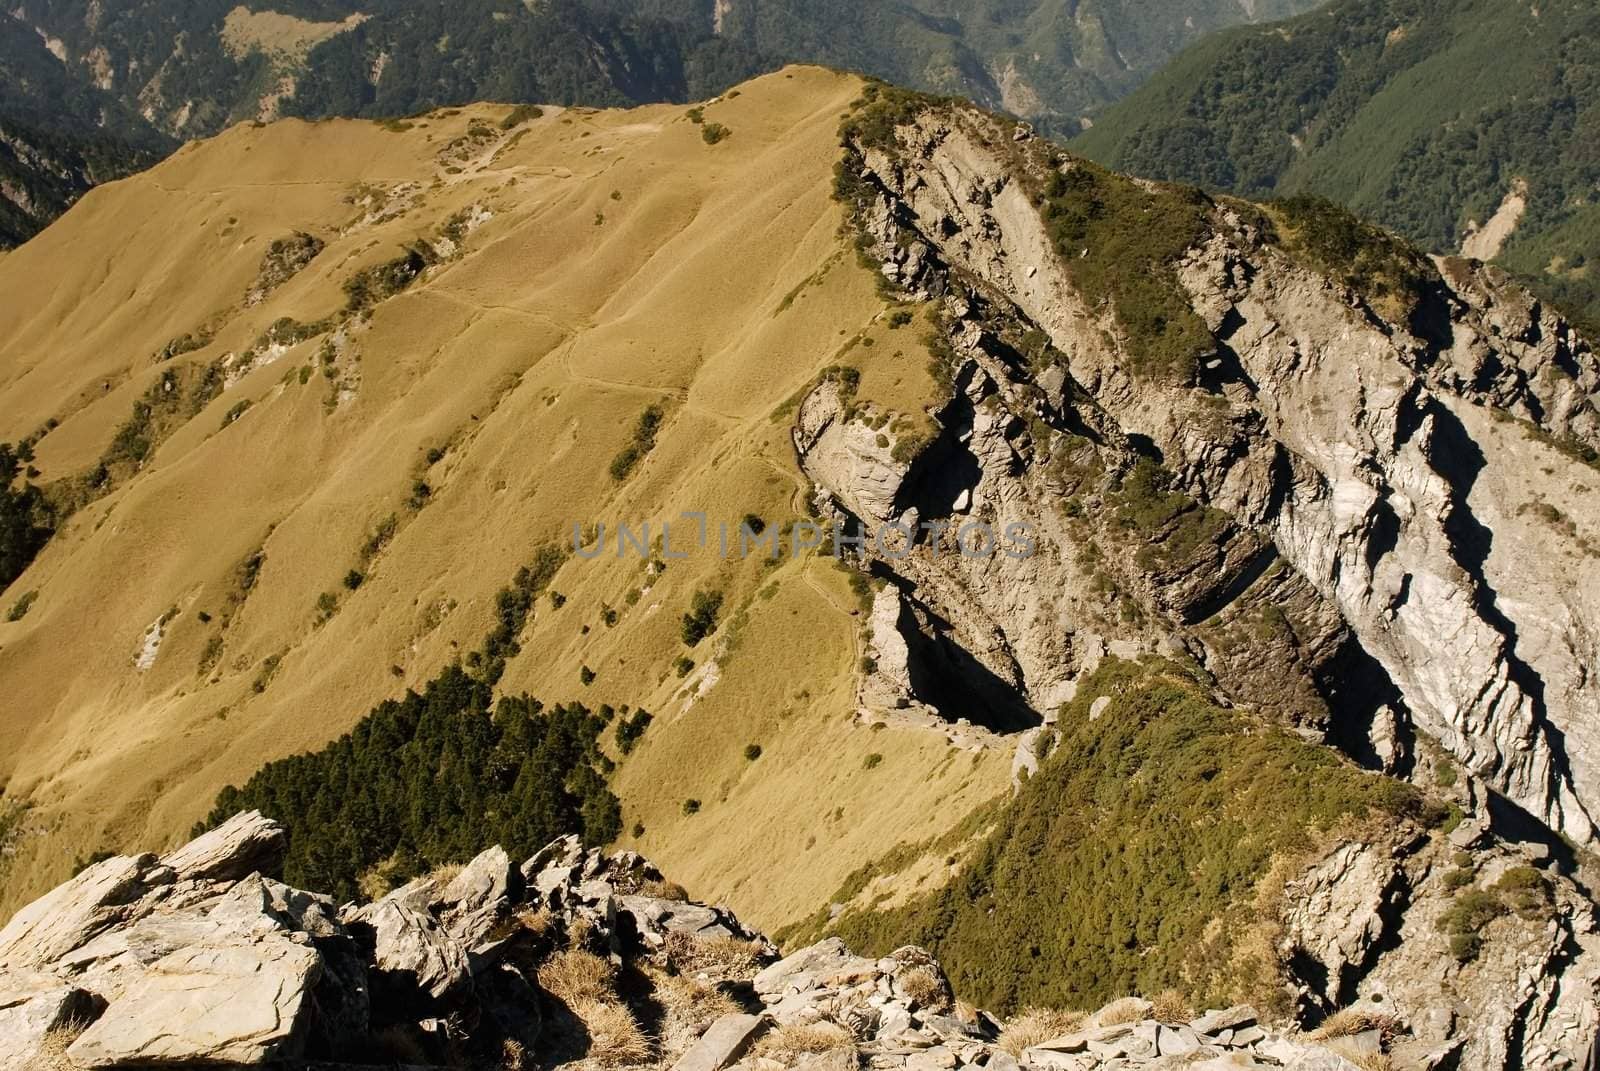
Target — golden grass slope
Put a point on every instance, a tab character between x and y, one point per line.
618	261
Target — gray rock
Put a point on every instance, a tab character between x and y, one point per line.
247	843
411	952
1240	1015
720	1046
241	1003
28	1013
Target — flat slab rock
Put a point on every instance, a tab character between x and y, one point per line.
723	1043
234	1004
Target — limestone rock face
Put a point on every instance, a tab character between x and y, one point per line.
1395	505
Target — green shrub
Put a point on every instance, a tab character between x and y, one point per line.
683	667
20	608
586	675
712	133
631	728
872	761
1129	863
521	114
691	806
701	620
643	441
354	579
752	752
1463	921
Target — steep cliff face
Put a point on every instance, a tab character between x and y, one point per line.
1351	483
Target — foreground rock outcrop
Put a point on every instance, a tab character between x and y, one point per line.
578	957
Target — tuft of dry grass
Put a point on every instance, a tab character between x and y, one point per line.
1372	1061
1171	1006
664	890
615	1039
923	985
725	957
790	1045
1348	1022
577	977
689	1006
1034	1025
514	1056
1122	1010
52	1052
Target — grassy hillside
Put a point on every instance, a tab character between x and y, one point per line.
323	389
1142	857
1423	115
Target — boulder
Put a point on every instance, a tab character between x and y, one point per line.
238	1003
248	843
412	956
72	913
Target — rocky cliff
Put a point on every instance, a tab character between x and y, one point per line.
1353	484
578	958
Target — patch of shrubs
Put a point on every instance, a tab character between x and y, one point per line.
1129	862
432	779
26	519
1119	239
643	441
701	620
630	728
512	606
371	285
521	114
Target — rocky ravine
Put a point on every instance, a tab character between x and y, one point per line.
1387	536
197	958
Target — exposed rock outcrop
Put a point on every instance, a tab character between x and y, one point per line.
566	955
1376	521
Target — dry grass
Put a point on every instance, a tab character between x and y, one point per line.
576	977
1034	1025
1122	1010
717	957
52	1052
664	890
1372	1061
514	1056
1348	1022
615	1039
804	1042
923	985
537	922
689	1006
1171	1006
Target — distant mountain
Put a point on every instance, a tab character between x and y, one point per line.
130	80
1051	61
1469	126
58	135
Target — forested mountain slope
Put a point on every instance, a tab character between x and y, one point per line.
1467	126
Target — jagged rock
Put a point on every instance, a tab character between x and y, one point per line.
240	1003
27	1014
412	954
70	914
1234	1018
247	843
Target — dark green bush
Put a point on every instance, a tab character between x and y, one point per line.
701	620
